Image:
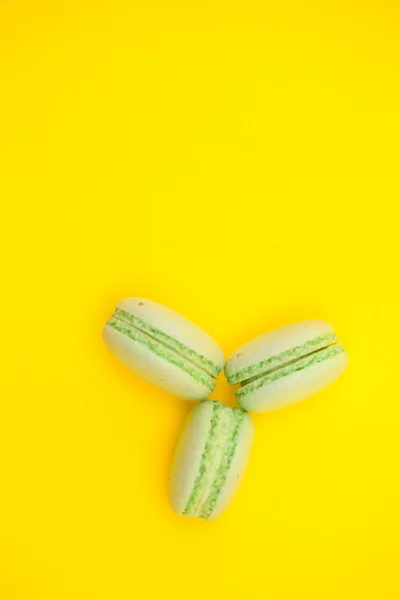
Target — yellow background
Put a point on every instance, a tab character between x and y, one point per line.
238	162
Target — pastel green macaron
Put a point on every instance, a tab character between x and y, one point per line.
286	365
164	347
210	459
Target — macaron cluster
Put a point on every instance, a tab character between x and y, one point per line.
277	369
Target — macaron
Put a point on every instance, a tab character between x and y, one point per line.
164	347
210	459
286	365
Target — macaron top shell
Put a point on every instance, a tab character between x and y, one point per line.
173	330
278	348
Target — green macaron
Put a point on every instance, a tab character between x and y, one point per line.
210	459
164	347
286	365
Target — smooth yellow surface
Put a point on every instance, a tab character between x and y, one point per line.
239	162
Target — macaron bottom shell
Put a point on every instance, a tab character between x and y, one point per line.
293	383
180	378
210	459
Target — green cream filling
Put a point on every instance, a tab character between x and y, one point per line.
293	367
216	460
198	359
284	357
162	351
223	469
